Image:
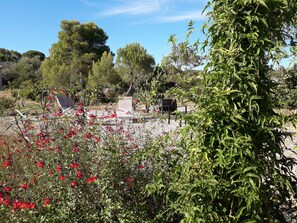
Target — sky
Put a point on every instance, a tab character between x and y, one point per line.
35	24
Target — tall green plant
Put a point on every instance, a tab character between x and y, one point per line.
233	167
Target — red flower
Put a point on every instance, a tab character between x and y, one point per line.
74	165
75	149
61	178
17	205
25	205
7	189
88	135
31	205
73	184
71	134
92	116
96	139
58	168
7	163
91	180
129	179
6	201
46	202
79	174
40	164
140	166
24	186
114	115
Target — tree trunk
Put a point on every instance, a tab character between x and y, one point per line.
128	93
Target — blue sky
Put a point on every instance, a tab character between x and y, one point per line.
34	24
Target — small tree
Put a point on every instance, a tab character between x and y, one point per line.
103	73
134	63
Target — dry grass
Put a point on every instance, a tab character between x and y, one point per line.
6	93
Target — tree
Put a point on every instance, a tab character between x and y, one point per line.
134	63
182	65
9	55
285	91
103	73
152	89
104	77
183	57
34	54
71	58
26	70
18	68
8	58
231	165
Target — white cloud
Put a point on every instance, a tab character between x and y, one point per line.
135	7
194	15
159	11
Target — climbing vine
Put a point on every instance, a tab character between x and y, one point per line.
233	167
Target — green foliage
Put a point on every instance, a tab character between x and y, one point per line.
103	72
152	90
9	55
26	69
134	64
183	57
182	66
231	165
34	54
71	58
29	70
285	91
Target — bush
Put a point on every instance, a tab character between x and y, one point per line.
6	104
77	170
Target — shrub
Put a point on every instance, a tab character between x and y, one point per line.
76	169
6	104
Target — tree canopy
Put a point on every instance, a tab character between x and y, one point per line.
18	68
134	63
34	54
71	58
183	57
26	70
103	73
9	55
